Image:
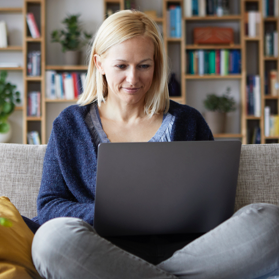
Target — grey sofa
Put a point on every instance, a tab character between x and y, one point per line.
21	171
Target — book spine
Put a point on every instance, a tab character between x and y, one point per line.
275	44
33	26
201	7
273	81
172	22
218	61
252	24
264	8
267	121
178	20
195	7
257	89
188	8
201	62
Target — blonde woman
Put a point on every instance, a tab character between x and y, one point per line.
126	100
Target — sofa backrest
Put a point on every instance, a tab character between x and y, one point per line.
20	175
21	171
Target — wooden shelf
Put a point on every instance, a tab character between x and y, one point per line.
213	77
11	10
67	67
272	137
228	136
11	68
113	1
60	100
33	118
268	97
30	39
158	20
12	48
31	78
251	117
212	47
270	58
18	108
246	38
199	18
270	18
174	40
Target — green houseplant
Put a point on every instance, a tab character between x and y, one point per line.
72	39
217	109
8	97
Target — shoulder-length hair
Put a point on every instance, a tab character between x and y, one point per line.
116	29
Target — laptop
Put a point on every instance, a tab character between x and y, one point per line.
154	188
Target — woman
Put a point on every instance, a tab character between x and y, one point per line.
126	100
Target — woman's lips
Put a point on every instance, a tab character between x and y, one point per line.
131	90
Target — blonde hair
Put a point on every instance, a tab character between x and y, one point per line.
116	29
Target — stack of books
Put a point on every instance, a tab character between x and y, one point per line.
271	44
215	62
64	85
271	123
174	21
34	63
270	7
205	7
34	104
33	138
253	95
252	23
271	83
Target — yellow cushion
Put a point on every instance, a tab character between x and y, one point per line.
15	245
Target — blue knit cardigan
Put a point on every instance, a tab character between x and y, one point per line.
69	169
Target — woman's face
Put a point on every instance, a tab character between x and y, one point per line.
129	69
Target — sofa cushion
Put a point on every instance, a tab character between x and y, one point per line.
258	178
20	175
15	245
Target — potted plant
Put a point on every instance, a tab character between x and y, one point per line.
217	109
8	97
72	39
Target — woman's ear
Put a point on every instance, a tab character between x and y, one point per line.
98	63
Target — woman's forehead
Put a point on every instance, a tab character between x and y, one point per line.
137	48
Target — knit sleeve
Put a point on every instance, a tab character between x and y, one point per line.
56	198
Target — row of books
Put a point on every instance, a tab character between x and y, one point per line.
271	44
34	63
253	95
271	83
174	22
220	62
256	136
252	23
64	85
270	7
34	103
271	123
130	4
32	25
33	138
206	7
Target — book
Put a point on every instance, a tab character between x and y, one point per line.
9	65
267	121
195	7
33	138
50	84
33	28
257	96
187	8
3	34
202	8
252	24
273	82
69	87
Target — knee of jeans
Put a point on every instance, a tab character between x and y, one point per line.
55	235
267	210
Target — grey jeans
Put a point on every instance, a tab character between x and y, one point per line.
245	246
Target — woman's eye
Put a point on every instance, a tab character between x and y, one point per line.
145	66
121	67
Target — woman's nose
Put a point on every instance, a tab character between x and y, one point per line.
132	76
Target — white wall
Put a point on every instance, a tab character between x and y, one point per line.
92	16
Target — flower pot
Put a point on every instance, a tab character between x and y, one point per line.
72	57
216	121
5	137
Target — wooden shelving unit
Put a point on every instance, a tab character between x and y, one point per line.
34	83
181	43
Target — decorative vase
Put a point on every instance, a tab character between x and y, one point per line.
5	137
216	121
72	57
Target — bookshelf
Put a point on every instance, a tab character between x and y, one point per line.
177	49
